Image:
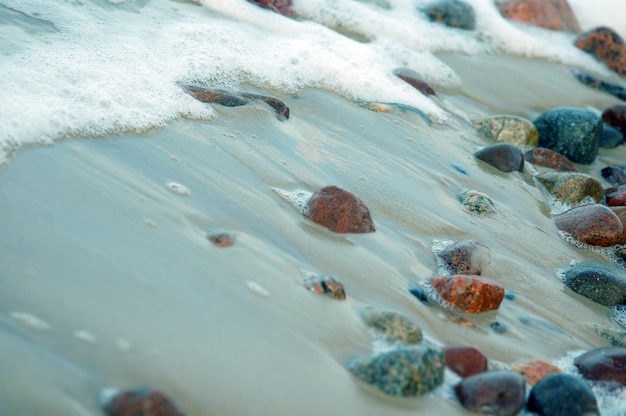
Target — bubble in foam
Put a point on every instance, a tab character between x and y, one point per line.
298	198
178	189
31	322
620	315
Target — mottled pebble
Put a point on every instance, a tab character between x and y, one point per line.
600	282
571	187
562	395
595	225
394	326
477	203
222	239
499	393
615	116
464	257
548	158
603	364
138	401
503	156
614	175
615	196
600	85
453	13
534	370
325	285
508	129
549	14
465	361
340	211
283	7
406	371
469	294
413	78
606	45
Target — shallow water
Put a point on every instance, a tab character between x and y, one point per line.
114	261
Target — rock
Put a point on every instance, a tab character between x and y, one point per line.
606	45
494	392
620	211
469	294
603	364
508	129
419	292
325	285
610	137
406	371
602	283
571	187
616	338
615	116
503	156
573	132
535	370
600	85
393	326
283	7
477	203
615	196
465	257
549	159
562	395
453	13
222	239
413	78
339	211
465	361
549	14
614	175
595	225
139	401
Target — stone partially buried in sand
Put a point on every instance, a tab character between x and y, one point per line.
595	225
465	257
508	129
549	14
413	78
502	156
549	159
600	282
493	392
325	285
603	364
606	45
465	361
138	401
453	13
393	326
468	294
340	211
571	187
283	7
477	203
562	395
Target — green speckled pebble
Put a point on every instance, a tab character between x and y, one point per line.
393	326
509	129
477	203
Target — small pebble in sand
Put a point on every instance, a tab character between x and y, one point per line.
31	322
137	401
177	188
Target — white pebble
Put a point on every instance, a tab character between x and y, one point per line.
257	289
178	188
85	336
30	321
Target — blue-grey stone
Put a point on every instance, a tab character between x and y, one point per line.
599	282
453	13
610	137
562	394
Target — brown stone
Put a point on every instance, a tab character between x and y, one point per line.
548	158
325	285
339	211
501	393
535	370
413	78
549	14
615	116
621	214
469	294
606	45
140	401
502	156
603	364
465	361
222	239
465	257
571	187
596	225
283	7
615	196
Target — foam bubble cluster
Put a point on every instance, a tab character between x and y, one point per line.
298	198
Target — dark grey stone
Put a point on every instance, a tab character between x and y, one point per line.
610	137
453	13
599	282
562	395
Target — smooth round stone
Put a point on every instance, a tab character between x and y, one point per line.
600	282
465	257
477	203
615	116
595	225
469	294
610	137
606	45
549	14
139	401
407	371
499	393
414	79
508	129
573	132
535	370
453	13
603	364
340	211
615	196
562	395
548	158
503	156
279	6
614	175
393	326
571	187
465	361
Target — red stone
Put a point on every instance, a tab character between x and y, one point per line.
535	370
501	393
549	14
548	158
138	401
411	77
615	116
503	156
222	239
615	196
339	211
283	7
469	294
465	361
603	364
595	224
606	45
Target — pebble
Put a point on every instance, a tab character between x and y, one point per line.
615	116
508	129
31	322
465	257
413	78
548	158
453	13
600	282
600	85
340	211
614	175
571	187
617	338
178	189
562	395
283	7
222	239
325	285
469	294
503	156
501	393
535	370
606	45
477	203
615	196
549	14
611	137
138	401
393	326
595	225
406	371
573	132
465	361
603	364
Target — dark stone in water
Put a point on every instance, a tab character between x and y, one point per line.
573	132
614	175
283	7
453	13
599	282
603	364
340	211
600	85
615	196
606	45
222	239
548	158
562	395
499	393
465	361
596	225
503	156
615	116
465	257
549	14
419	293
413	78
611	137
140	401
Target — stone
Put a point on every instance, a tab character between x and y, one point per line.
393	326
573	132
453	13
503	156
615	196
617	338
465	257
615	116
620	211
419	292
325	285
571	187
606	45
283	7
405	372
340	211
413	78
465	361
477	203
222	239
610	137
595	225
600	85
499	393
562	395
535	370
549	159
549	14
139	401
600	282
614	175
603	364
508	129
468	294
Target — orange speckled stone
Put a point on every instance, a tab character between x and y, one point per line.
596	225
549	14
548	158
222	239
283	7
339	211
140	401
469	294
411	77
606	45
534	370
325	285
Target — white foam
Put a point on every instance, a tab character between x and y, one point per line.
257	289
298	198
178	189
31	322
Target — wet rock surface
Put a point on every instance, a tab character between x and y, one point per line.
615	175
469	294
413	78
603	364
606	45
394	326
596	225
140	401
571	187
503	156
477	203
340	211
549	14
508	129
283	7
562	395
453	13
611	137
615	196
325	285
600	85
465	361
602	283
615	116
494	392
549	159
535	370
465	257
